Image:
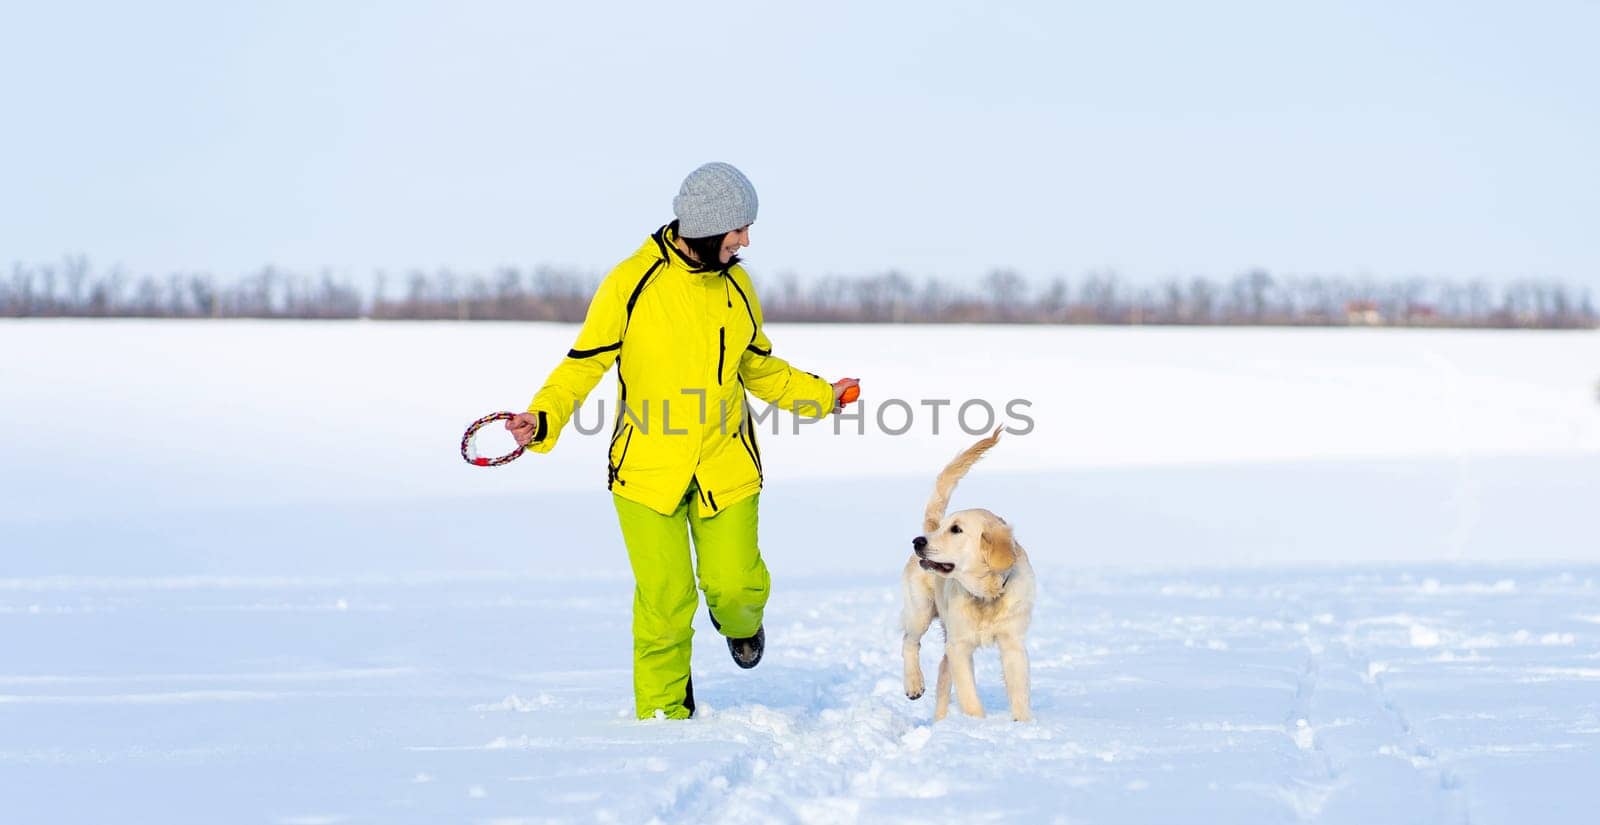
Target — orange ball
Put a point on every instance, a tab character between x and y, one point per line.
851	393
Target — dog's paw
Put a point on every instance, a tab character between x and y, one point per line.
1022	717
914	687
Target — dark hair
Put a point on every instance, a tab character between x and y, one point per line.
708	251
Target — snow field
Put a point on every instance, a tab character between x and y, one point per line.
1286	575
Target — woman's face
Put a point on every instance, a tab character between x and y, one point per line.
734	241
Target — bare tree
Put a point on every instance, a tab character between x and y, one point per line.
1006	290
1055	299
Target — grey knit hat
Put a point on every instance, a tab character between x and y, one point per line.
714	199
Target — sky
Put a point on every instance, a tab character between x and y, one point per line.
1156	140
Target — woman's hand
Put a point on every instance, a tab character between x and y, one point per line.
840	387
523	427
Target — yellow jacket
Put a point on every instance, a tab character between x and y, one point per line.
688	343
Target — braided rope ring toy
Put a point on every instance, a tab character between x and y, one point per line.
469	450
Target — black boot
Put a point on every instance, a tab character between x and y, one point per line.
747	652
688	696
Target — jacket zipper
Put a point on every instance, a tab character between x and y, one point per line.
722	351
616	469
749	442
752	453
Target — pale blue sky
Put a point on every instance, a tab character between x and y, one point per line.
1159	139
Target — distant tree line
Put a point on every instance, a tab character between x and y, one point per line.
1254	297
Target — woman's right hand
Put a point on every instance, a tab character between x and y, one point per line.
839	389
523	427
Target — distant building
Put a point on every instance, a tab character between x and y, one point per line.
1421	314
1362	313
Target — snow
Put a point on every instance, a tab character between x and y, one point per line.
1286	575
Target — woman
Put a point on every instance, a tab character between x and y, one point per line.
681	320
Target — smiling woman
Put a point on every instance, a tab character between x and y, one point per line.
681	320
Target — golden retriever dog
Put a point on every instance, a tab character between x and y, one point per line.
968	572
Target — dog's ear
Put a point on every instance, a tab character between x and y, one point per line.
999	549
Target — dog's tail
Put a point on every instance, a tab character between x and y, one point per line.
950	477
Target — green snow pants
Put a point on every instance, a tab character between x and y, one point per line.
729	569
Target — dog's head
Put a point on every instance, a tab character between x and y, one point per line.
969	545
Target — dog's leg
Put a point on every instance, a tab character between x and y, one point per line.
1014	664
919	612
966	683
941	690
911	648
